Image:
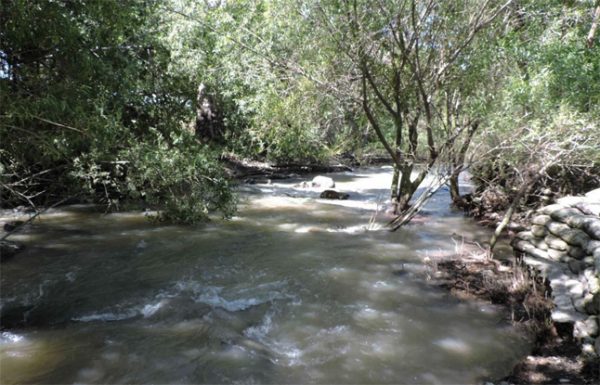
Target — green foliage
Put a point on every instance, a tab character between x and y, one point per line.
89	111
545	108
98	100
183	178
290	130
240	51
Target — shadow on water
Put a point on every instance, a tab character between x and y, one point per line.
293	289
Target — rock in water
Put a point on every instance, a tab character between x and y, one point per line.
12	225
323	181
332	194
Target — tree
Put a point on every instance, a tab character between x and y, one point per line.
400	66
83	84
551	139
405	57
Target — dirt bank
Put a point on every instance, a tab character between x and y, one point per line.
254	171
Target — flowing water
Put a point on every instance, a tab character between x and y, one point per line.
292	290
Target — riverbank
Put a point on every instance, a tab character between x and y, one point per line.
256	171
556	357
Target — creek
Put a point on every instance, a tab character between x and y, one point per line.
294	289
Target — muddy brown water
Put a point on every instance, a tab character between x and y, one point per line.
294	289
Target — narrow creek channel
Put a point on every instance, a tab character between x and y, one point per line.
291	290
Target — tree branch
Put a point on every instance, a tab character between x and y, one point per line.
375	124
592	34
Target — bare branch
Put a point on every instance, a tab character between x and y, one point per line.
476	26
59	125
375	124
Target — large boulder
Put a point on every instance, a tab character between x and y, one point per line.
323	182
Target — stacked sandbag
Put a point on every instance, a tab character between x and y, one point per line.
563	245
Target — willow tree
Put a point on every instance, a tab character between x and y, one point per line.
405	56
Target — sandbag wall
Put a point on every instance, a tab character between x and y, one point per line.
563	246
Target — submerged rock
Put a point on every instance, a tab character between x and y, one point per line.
332	194
12	225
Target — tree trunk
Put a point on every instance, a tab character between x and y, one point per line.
398	179
394	188
409	213
407	188
457	199
458	166
592	34
208	120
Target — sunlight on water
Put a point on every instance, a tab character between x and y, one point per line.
294	289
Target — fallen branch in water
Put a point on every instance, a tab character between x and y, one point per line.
32	218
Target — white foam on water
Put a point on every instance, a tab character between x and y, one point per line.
10	338
13	345
108	316
150	309
70	276
215	300
307	229
286	353
336	330
243	298
384	286
145	310
368	313
260	331
454	345
237	299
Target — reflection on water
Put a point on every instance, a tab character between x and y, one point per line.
294	289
